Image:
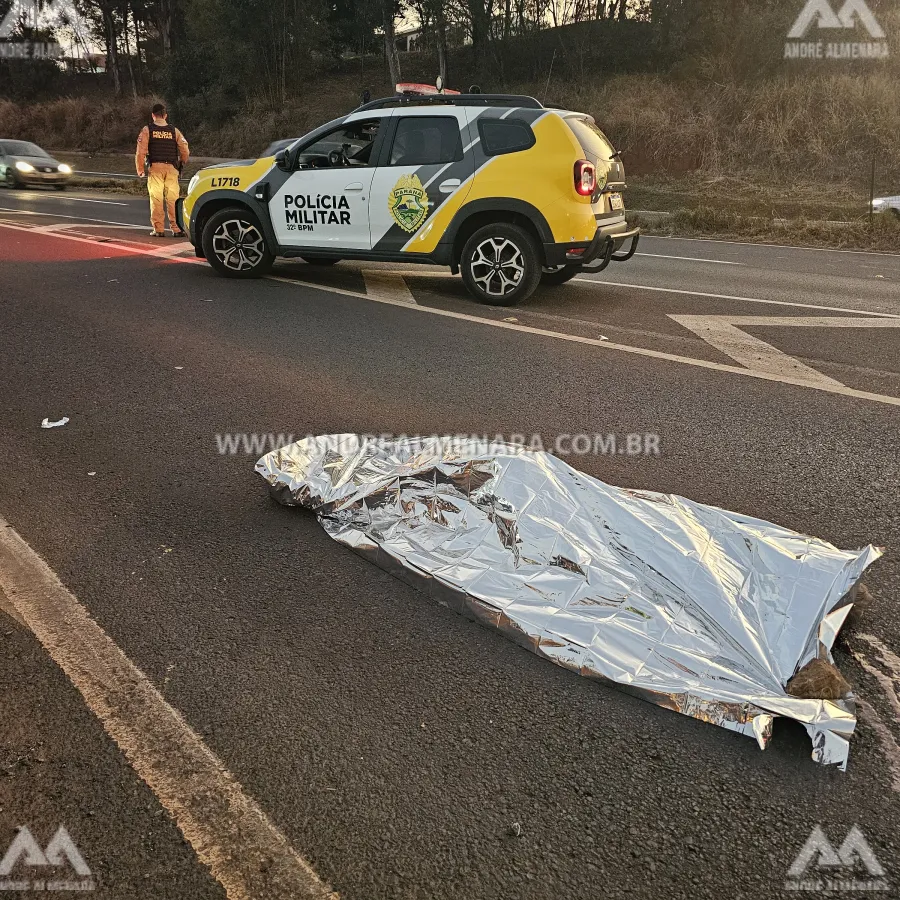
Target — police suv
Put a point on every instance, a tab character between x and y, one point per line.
500	188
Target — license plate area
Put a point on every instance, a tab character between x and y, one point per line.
616	201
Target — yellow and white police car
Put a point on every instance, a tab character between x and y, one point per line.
502	189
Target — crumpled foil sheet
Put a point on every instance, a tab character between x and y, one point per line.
700	610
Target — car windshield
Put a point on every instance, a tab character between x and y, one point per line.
23	148
275	146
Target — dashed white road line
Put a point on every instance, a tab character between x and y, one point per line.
387	285
244	850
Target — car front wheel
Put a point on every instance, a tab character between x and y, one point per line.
234	243
500	264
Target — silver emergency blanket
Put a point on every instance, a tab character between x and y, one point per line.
699	610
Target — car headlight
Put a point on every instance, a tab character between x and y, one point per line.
193	183
66	170
24	166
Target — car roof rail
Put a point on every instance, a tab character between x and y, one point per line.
512	100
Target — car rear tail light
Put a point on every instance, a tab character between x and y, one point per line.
585	178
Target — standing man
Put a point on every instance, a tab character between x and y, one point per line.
164	146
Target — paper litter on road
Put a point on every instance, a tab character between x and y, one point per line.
58	424
706	612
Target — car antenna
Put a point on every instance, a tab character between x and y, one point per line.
547	88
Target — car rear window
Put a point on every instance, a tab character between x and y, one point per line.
505	136
591	138
426	140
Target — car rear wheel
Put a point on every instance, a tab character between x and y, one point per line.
234	244
500	264
552	275
320	260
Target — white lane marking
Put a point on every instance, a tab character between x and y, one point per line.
425	271
726	334
667	290
884	680
838	389
890	659
388	285
31	212
229	832
835	388
172	249
107	244
85	200
720	262
888	745
663	237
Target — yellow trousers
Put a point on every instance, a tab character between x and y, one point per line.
162	184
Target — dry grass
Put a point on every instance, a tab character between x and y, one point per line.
824	125
882	235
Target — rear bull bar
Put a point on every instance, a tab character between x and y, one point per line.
604	247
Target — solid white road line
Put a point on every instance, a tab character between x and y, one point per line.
720	262
667	290
425	272
888	745
664	237
835	388
387	285
888	658
243	849
541	332
31	212
85	200
723	333
142	250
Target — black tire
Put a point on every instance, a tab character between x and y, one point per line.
236	230
511	275
320	260
558	275
12	180
60	187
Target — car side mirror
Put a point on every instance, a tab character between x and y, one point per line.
283	160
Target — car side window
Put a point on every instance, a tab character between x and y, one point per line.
349	145
500	136
426	140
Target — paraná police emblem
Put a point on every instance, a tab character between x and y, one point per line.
408	202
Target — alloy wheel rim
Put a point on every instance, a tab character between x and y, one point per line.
238	245
497	266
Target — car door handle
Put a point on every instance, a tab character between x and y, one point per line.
356	186
449	186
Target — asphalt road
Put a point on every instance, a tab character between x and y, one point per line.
406	752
